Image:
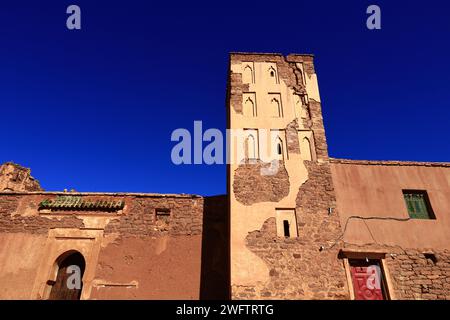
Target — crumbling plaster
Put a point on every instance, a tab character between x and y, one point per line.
246	267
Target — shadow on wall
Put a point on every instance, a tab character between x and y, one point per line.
215	269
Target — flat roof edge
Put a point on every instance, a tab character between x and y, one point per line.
111	194
271	54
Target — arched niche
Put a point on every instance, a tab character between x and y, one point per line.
247	74
249	107
250	147
279	149
275	106
272	75
305	149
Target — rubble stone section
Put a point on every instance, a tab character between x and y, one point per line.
418	276
315	123
317	195
293	145
14	177
298	268
251	187
235	90
185	214
184	217
35	224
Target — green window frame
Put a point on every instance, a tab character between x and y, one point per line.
418	204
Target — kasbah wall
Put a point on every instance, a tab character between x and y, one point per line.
293	234
130	251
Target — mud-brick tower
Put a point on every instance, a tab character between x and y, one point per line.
283	224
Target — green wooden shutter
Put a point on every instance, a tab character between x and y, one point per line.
417	205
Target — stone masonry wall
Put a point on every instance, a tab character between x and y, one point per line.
315	123
185	217
35	224
14	177
298	268
250	186
293	145
419	276
180	215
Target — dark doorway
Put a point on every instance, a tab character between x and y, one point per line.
65	287
287	233
215	270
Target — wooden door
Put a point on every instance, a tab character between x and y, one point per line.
60	289
367	279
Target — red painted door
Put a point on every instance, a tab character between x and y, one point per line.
367	280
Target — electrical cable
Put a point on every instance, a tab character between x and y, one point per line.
364	219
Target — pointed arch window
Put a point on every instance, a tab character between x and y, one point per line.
306	149
250	147
279	149
273	75
249	108
247	75
275	105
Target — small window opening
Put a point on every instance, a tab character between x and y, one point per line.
431	257
272	74
418	204
162	219
287	233
279	149
162	214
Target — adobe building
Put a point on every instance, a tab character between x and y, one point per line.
295	223
320	228
128	246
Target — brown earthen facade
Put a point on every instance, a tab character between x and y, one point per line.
151	247
295	223
350	216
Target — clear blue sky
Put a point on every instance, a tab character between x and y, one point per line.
93	109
